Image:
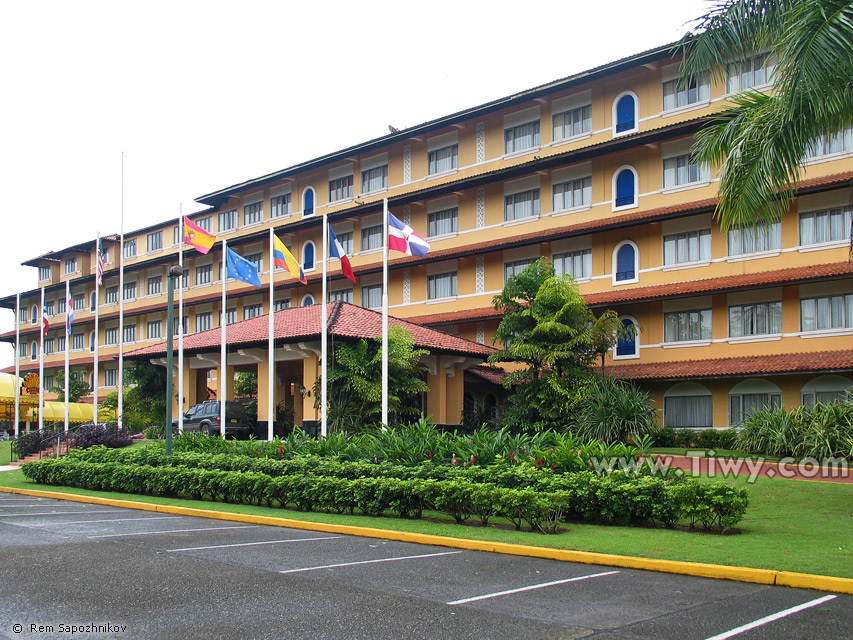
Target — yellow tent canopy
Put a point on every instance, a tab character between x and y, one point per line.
8	383
77	412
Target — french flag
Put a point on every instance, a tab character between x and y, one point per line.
402	238
336	250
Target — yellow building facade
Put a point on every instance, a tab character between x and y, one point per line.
592	172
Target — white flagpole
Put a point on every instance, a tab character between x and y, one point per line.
223	351
181	231
97	351
324	341
18	363
120	409
69	307
384	424
41	366
271	343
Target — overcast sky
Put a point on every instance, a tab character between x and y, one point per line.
200	95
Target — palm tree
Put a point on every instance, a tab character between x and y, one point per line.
761	142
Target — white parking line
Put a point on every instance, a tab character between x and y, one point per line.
115	520
771	618
149	533
249	544
349	564
55	513
531	587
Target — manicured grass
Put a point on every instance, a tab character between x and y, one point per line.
730	453
790	525
5	451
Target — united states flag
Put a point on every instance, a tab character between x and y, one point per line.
102	263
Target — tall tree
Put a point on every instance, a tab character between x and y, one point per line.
760	143
77	386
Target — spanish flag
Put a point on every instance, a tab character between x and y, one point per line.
197	237
283	258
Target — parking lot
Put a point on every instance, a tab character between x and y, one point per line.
117	572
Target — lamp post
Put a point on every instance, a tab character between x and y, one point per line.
175	271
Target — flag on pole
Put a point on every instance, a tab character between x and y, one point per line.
284	259
241	269
69	318
197	237
45	325
336	250
101	260
402	238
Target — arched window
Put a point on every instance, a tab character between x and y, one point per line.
308	202
308	256
752	395
93	302
688	405
625	187
625	113
826	389
625	262
34	352
92	342
308	300
34	314
628	344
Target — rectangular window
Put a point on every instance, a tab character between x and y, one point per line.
831	312
70	266
282	304
252	311
521	137
129	291
129	333
341	295
130	248
692	246
22	350
44	273
573	122
185	321
111	377
741	405
444	159
441	285
744	240
832	225
78	301
442	222
826	145
340	188
176	235
155	241
253	213
203	274
756	71
518	206
77	341
203	321
577	264
682	170
371	296
48	346
574	193
111	336
60	343
688	412
755	319
280	205
111	295
48	383
231	316
227	220
256	259
155	285
153	330
677	94
516	267
371	238
346	241
374	179
49	307
205	223
22	314
681	326
60	303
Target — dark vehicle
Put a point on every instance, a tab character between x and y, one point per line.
204	418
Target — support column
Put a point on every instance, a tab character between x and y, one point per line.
454	394
263	395
309	415
437	381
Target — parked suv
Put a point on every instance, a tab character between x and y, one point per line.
204	417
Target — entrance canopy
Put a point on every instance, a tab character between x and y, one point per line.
77	412
8	383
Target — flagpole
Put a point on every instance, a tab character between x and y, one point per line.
181	233
41	367
223	352
69	309
324	340
271	344
97	307
384	424
120	409
18	364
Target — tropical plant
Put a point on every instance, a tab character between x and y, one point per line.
77	386
614	410
760	143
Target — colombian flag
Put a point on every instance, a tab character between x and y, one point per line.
197	237
284	259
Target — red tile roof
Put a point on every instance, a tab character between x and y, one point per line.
303	323
729	367
495	375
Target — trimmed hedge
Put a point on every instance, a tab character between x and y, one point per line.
617	498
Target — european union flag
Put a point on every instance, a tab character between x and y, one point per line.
241	269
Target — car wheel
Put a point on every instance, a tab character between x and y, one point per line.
206	430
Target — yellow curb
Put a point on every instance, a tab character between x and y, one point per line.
697	569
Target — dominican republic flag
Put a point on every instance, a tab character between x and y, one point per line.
45	325
69	318
336	250
402	238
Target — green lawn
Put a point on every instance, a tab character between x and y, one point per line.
680	451
5	451
790	525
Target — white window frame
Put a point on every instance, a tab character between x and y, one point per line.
154	242
614	255
585	256
636	127
697	323
703	239
636	354
755	309
636	201
436	279
228	220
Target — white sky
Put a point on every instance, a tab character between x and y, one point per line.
200	95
